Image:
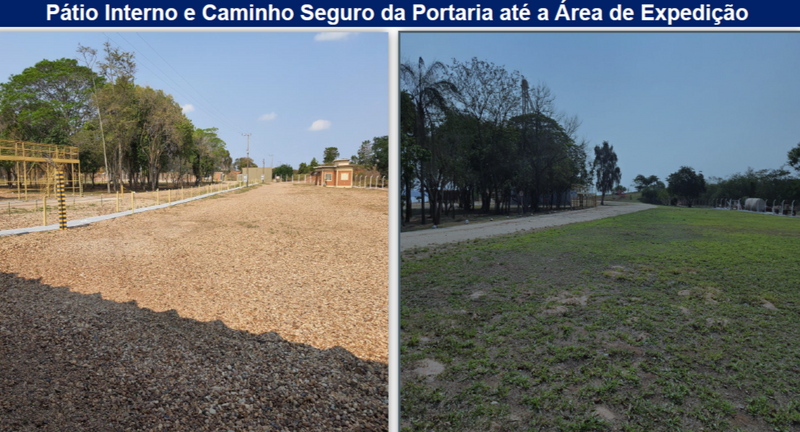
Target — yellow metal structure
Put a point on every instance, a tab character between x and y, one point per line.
40	162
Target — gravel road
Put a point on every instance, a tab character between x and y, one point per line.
431	237
254	310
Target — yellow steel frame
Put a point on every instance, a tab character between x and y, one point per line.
28	152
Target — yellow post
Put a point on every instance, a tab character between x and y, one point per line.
157	199
25	177
132	203
121	187
19	194
44	210
62	205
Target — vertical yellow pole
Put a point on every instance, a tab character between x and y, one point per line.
80	181
157	199
132	204
121	187
25	177
72	174
44	210
62	205
19	194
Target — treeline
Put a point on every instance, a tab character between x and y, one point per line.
130	132
370	155
688	186
473	131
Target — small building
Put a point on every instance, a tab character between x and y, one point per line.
338	173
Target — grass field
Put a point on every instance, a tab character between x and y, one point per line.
667	319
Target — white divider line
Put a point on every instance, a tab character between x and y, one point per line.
93	219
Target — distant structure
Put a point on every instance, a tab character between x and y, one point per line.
338	173
257	175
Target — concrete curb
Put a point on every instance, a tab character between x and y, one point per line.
93	219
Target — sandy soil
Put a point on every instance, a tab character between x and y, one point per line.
502	226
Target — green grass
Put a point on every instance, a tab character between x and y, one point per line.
673	334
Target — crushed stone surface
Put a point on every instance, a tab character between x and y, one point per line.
425	238
262	310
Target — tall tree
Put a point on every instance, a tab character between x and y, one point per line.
47	102
364	156
244	162
380	152
330	154
90	59
426	86
606	169
794	158
687	184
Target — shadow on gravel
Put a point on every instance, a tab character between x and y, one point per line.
70	361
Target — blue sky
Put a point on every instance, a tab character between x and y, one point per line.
275	86
718	102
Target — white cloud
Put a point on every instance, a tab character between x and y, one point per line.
333	36
187	108
268	116
320	125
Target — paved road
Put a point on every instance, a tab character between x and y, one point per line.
438	236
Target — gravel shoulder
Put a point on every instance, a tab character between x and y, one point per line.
417	239
262	308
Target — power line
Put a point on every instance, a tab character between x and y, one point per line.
222	120
179	74
235	126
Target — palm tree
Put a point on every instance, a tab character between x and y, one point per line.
605	165
426	90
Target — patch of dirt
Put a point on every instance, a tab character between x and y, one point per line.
558	310
768	305
604	413
566	298
477	295
685	310
428	368
684	293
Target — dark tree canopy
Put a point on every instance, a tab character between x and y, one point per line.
47	102
794	158
283	171
606	169
330	155
686	183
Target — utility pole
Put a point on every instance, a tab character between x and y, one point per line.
248	158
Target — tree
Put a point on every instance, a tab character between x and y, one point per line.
303	168
426	88
330	155
642	182
794	158
159	116
47	102
686	183
90	59
606	169
285	170
620	189
244	162
380	152
313	165
365	155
